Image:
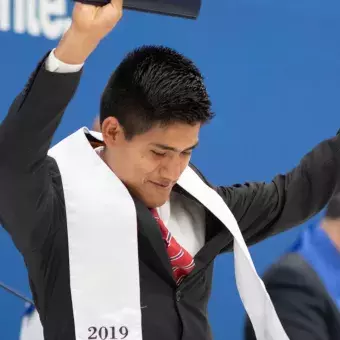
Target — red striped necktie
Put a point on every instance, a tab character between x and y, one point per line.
181	261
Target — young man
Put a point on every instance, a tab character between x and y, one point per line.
118	231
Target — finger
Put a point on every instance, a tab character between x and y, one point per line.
118	5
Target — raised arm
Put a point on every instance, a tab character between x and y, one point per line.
26	190
26	195
266	209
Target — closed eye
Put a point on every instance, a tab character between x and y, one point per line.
158	153
187	153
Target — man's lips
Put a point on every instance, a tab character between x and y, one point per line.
162	185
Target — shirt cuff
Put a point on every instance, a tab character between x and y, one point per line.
53	64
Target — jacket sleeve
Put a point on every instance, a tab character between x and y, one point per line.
266	209
300	307
26	195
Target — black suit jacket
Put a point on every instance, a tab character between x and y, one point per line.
302	302
32	210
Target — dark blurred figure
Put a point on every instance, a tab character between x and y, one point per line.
305	283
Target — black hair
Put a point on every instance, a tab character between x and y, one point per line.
155	84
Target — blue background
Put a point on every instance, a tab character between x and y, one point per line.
272	69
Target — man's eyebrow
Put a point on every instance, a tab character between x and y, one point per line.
171	148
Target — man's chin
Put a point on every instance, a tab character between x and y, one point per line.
155	202
151	198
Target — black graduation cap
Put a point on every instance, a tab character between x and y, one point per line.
180	8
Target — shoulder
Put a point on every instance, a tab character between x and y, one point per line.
290	272
290	263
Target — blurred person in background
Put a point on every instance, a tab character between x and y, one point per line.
304	284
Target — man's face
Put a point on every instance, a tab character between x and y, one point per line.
150	163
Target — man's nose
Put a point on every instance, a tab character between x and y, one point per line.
172	169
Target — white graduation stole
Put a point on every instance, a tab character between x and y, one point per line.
102	236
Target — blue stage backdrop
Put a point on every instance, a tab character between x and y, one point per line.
272	68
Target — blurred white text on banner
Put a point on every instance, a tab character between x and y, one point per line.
39	18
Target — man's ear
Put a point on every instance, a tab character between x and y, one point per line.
112	131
